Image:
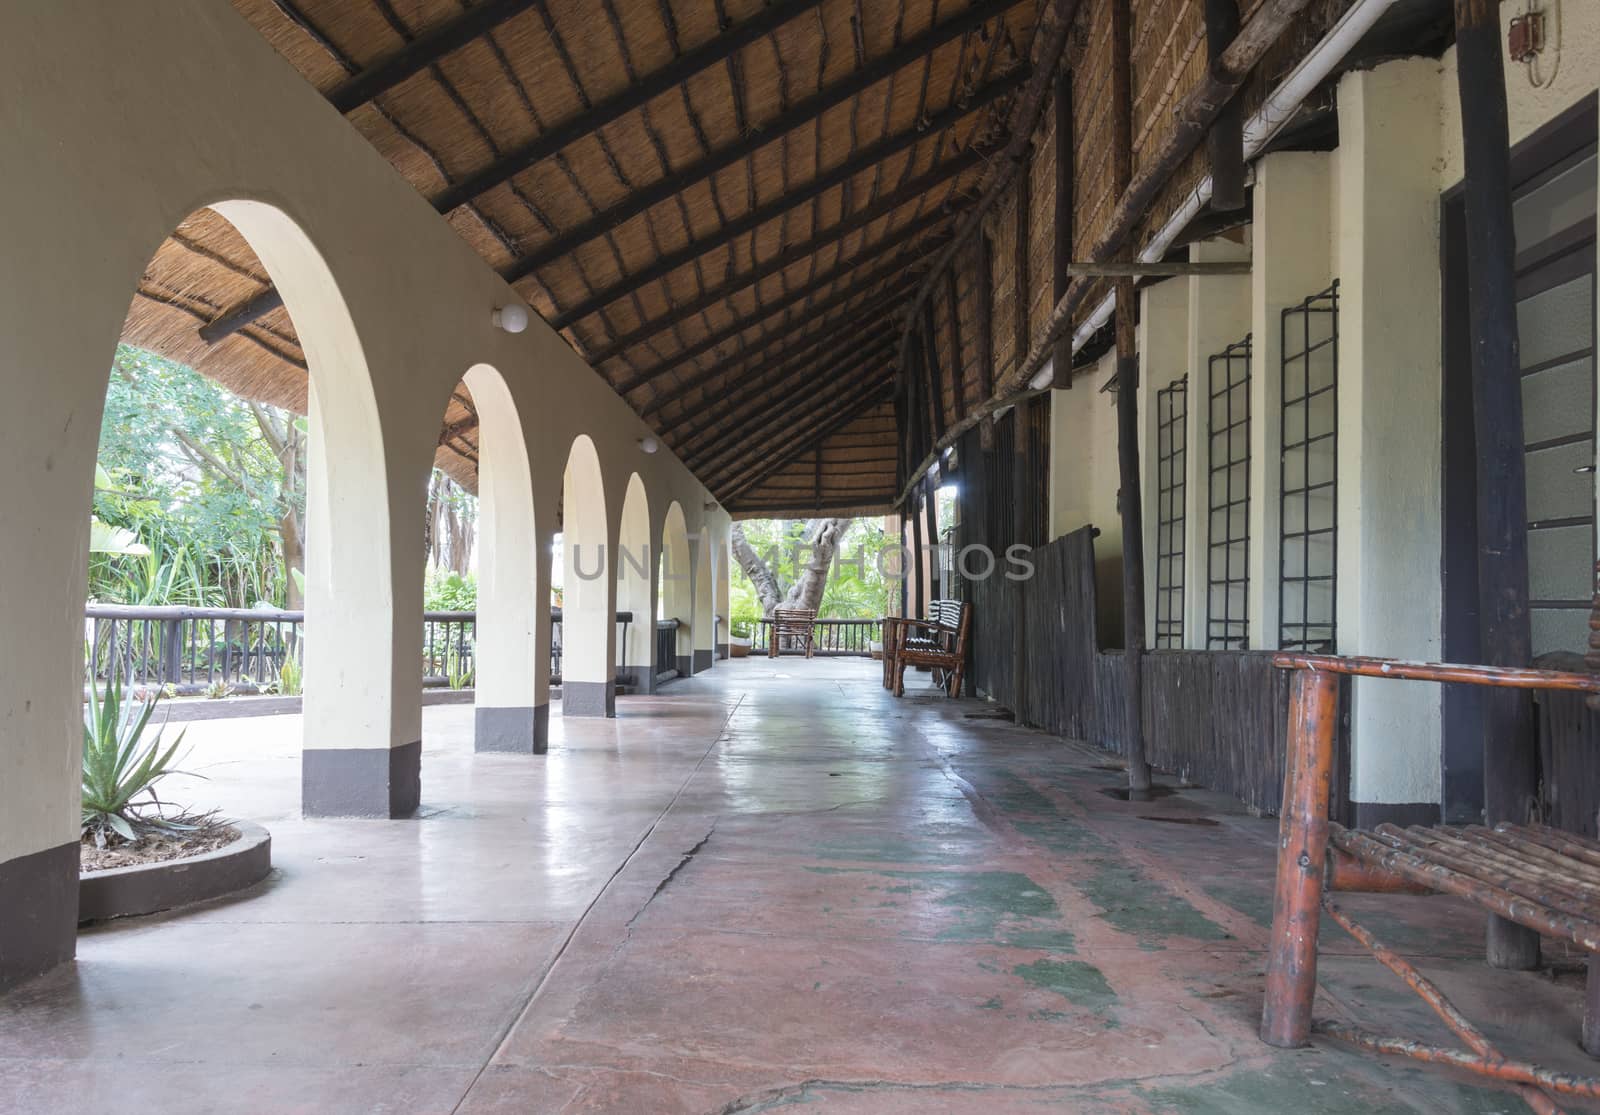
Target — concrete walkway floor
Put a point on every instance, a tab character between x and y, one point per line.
771	886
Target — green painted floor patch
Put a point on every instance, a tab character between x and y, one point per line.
1080	983
1061	836
1007	907
1322	1087
1251	897
1138	905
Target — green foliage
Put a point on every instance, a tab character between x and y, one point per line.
446	591
458	674
120	764
851	593
291	675
188	492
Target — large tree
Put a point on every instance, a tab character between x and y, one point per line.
819	542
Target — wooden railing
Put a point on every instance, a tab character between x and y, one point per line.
197	650
833	636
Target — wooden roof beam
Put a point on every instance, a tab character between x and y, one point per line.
670	262
736	362
424	51
734	423
737	442
827	424
900	236
806	112
711	53
730	406
895	270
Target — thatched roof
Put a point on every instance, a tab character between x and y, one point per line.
732	209
690	191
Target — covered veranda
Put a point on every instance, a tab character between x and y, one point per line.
775	886
1234	335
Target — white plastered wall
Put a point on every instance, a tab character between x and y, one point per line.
1163	344
89	107
636	573
677	580
1291	259
1386	256
1218	316
1084	479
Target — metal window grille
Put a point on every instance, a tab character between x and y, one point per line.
1228	499
1171	452
1308	473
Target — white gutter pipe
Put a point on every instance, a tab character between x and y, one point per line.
1265	123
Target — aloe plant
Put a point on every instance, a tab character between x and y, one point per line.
120	763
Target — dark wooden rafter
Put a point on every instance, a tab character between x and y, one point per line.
826	333
660	269
1225	140
1050	43
751	435
867	252
1066	156
930	349
743	477
957	364
895	269
1019	255
733	420
424	51
799	115
756	441
714	52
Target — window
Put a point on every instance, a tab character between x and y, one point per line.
1171	411
1308	473
1228	544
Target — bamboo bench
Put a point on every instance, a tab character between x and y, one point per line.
793	624
1538	877
938	642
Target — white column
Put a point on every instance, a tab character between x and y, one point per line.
1163	337
1219	315
1292	259
1390	488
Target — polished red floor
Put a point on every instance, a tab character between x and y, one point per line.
767	887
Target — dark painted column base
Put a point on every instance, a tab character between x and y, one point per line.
38	913
1371	814
685	664
510	730
702	660
588	698
361	781
640	679
722	650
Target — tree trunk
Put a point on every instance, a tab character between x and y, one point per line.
769	590
823	536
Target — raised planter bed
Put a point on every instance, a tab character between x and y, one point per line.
118	892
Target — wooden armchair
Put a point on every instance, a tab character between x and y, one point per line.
793	623
939	642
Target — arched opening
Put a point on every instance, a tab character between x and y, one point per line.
677	590
331	560
636	567
702	632
589	589
491	648
721	592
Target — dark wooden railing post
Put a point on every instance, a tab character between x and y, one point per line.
1302	852
1510	747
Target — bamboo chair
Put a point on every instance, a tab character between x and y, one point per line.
793	623
939	642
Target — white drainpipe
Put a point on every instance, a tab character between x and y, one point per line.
1276	111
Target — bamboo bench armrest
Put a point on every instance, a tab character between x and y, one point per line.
1504	677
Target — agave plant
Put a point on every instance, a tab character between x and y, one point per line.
120	763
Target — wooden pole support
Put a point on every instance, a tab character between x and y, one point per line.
1302	857
1510	747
